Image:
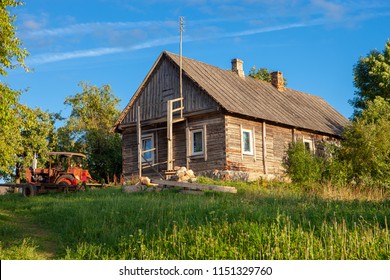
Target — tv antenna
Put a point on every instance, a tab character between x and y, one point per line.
181	64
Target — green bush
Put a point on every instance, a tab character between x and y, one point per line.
366	145
301	165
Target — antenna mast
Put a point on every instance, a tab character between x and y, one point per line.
181	64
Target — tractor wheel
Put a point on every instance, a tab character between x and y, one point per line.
29	190
65	180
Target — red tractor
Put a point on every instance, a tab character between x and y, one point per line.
64	173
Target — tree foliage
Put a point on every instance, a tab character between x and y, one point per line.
366	143
23	131
263	74
11	50
371	78
88	130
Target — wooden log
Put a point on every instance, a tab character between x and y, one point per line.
192	186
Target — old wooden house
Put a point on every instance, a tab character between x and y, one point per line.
188	113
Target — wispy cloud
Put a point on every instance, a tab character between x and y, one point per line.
84	28
56	57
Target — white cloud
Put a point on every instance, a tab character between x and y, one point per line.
84	28
55	57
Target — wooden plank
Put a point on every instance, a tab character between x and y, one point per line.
139	141
169	135
192	186
265	149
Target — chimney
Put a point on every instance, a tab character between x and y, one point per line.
238	67
277	80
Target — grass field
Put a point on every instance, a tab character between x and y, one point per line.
261	221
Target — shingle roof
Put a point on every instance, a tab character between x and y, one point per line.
260	99
257	99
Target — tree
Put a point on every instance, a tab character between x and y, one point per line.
11	50
36	137
371	78
262	74
366	143
88	130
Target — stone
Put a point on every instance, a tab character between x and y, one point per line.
133	188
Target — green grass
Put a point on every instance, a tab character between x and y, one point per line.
261	221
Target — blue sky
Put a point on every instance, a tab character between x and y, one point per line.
314	43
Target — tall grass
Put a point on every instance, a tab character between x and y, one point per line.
261	221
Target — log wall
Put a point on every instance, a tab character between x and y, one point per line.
270	151
163	85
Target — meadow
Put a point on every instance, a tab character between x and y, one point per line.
262	221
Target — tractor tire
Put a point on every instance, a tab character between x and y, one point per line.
29	190
65	180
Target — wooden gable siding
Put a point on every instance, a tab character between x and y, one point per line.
163	85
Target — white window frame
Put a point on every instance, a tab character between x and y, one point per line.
251	150
145	137
192	134
310	142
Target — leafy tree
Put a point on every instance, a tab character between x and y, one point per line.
8	128
263	74
11	55
36	137
10	46
371	78
366	143
88	130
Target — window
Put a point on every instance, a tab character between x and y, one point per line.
308	144
197	140
247	142
148	145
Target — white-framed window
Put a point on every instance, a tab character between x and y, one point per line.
197	142
147	148
308	143
247	141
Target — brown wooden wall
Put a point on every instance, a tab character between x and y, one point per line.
277	140
214	158
163	85
215	154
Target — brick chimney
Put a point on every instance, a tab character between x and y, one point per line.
238	67
277	80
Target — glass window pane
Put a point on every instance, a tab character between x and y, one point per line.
197	140
246	141
147	144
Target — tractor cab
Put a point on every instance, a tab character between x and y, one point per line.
65	168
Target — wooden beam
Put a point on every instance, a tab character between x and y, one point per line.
294	131
169	136
139	141
265	148
188	147
205	142
192	186
254	144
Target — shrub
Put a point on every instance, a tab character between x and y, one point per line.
301	165
366	145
